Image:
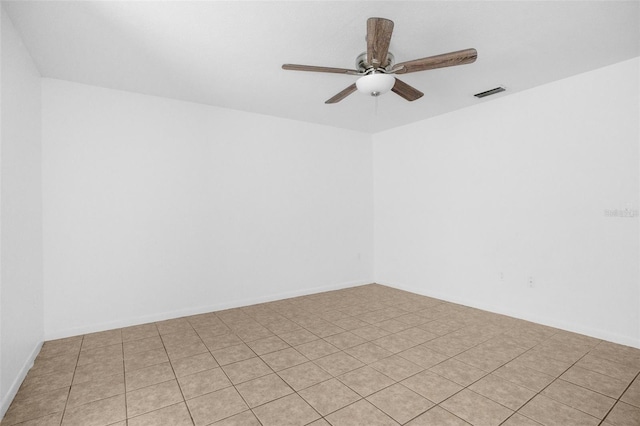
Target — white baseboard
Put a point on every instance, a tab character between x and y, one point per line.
15	385
551	322
92	328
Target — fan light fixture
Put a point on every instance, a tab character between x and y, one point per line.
375	84
377	69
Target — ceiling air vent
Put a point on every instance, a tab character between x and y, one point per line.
489	92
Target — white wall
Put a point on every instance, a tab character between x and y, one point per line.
21	299
155	208
468	205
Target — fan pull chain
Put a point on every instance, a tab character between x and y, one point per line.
375	110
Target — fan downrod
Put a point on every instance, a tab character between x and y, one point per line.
365	68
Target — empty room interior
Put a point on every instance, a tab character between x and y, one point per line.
320	213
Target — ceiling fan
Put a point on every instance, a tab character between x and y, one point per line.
376	66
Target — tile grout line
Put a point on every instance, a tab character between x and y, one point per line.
152	365
308	360
64	410
226	375
618	400
124	374
319	338
553	381
469	385
184	399
332	376
488	373
321	314
399	382
453	357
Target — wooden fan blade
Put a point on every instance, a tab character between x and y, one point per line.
340	96
410	93
295	67
451	59
378	38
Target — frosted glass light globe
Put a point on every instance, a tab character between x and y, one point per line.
375	84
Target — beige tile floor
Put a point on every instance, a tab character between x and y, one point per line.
369	355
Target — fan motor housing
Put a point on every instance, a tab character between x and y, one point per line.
364	67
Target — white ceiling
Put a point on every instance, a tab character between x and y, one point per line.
229	54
